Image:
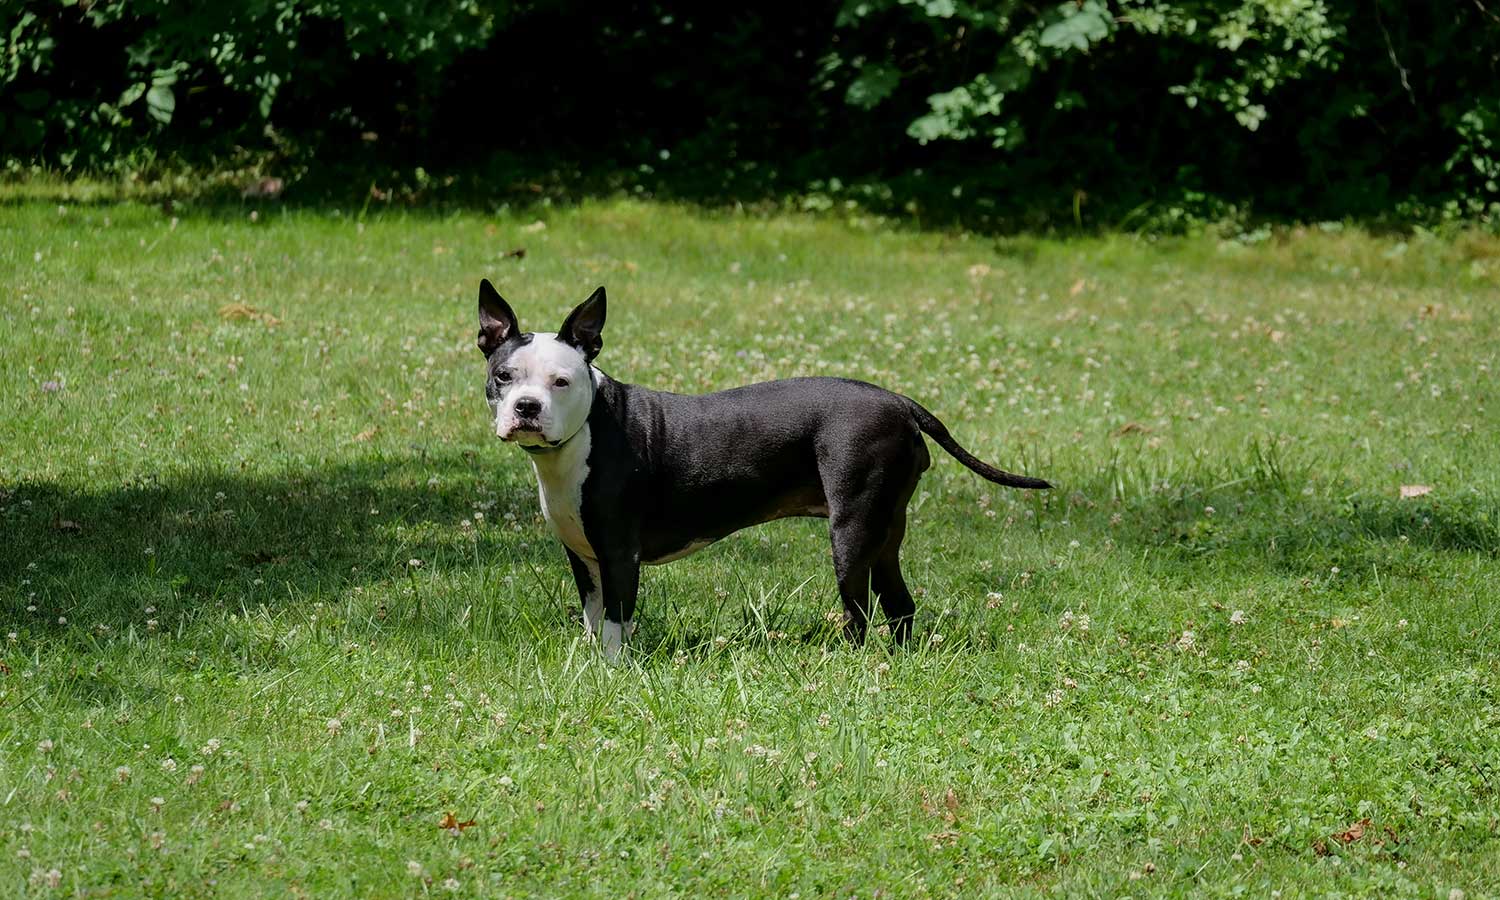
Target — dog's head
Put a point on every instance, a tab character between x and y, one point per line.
540	386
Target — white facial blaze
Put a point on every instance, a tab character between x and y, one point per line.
552	375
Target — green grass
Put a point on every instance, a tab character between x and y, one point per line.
1219	644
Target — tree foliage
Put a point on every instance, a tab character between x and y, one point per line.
1298	106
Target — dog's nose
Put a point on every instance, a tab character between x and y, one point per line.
528	407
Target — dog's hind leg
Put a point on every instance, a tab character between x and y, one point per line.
867	522
860	527
851	565
885	575
890	587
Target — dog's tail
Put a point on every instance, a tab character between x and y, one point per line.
939	432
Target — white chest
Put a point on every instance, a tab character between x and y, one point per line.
559	477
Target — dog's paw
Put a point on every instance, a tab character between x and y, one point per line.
612	641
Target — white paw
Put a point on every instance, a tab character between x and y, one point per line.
612	640
593	617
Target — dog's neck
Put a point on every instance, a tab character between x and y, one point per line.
567	456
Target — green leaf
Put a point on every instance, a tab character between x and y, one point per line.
874	84
929	128
1079	28
132	94
162	102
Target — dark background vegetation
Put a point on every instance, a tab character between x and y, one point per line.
1099	112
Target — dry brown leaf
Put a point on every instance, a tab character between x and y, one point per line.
1131	428
1409	491
1077	288
1353	832
235	312
367	433
69	526
450	823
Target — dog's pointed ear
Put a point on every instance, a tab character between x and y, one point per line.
584	326
497	323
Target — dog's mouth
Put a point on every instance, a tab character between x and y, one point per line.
526	431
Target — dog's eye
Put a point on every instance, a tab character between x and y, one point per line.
560	382
503	377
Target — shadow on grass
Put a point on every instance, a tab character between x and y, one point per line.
218	541
941	197
224	538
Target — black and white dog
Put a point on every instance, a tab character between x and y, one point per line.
631	476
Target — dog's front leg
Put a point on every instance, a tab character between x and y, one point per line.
590	591
620	574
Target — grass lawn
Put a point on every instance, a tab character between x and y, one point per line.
276	602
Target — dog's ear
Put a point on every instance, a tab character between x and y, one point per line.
584	324
497	324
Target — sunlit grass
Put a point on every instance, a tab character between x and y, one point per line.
275	602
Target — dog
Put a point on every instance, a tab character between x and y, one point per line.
631	476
